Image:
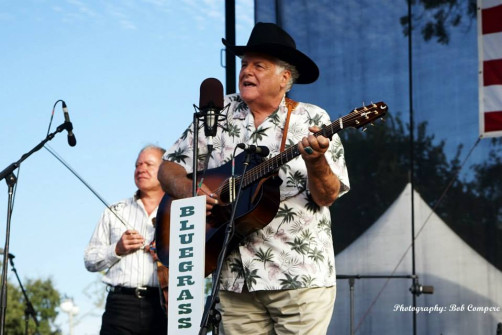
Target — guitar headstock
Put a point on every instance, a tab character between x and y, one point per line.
363	115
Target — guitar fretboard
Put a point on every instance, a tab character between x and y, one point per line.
356	119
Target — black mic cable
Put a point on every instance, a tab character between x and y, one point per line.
52	116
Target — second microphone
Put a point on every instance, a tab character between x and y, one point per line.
260	150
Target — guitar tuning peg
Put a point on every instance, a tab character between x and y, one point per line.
372	124
364	129
383	119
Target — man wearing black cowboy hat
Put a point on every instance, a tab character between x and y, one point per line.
279	279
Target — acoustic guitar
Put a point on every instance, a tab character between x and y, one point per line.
259	199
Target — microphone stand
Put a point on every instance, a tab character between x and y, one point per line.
29	310
212	317
416	289
8	175
196	117
208	131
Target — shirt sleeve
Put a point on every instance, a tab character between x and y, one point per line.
181	151
100	252
335	156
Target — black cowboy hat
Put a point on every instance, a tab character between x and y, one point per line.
270	39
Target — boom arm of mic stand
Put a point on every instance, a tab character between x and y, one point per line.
211	315
8	170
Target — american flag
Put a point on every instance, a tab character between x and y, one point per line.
490	67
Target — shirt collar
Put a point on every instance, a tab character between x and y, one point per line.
242	109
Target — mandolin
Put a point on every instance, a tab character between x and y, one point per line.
259	199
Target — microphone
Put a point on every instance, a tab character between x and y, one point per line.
72	141
427	289
11	256
210	106
418	289
260	150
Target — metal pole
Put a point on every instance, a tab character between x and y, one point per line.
412	154
230	72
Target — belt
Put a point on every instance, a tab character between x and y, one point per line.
139	292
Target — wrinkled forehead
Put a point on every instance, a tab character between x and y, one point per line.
150	155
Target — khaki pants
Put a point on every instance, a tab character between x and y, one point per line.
299	312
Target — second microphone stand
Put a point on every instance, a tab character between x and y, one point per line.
8	175
416	289
29	310
212	317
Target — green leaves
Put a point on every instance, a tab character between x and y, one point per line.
45	300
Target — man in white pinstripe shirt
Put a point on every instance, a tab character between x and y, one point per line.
119	246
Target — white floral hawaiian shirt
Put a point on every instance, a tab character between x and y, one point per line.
294	250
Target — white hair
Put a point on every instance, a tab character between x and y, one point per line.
154	147
282	66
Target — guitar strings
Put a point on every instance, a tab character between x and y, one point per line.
274	163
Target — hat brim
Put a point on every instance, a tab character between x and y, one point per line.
307	69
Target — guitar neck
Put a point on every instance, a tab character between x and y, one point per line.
273	164
355	119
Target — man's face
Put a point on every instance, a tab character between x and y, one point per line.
259	80
147	167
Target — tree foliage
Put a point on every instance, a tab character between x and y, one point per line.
379	168
436	18
44	298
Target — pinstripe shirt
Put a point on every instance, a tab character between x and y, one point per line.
132	270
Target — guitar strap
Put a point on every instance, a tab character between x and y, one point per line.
290	104
163	276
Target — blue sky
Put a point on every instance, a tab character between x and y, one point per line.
129	72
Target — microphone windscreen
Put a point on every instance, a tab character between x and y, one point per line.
211	94
72	141
264	151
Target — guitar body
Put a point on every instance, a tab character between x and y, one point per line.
257	205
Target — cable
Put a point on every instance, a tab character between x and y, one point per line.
52	116
87	185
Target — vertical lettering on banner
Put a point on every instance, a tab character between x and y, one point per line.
186	265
